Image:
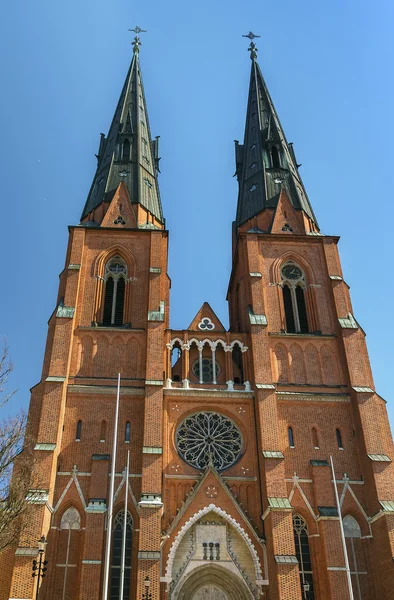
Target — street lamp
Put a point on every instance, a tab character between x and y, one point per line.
306	587
147	595
40	566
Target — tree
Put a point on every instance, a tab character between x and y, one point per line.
16	472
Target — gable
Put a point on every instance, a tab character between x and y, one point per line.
206	320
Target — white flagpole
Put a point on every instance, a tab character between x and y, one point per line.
122	567
349	577
111	498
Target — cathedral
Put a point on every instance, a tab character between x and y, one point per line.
239	464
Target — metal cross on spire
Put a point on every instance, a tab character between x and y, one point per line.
136	43
252	47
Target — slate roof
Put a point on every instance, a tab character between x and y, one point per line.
139	170
259	182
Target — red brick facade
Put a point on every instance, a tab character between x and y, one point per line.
265	381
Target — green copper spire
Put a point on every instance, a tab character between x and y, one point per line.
128	154
266	162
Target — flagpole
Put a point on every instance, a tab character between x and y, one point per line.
348	575
122	567
111	498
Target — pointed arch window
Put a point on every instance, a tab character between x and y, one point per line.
301	541
103	431
78	432
114	295
315	439
290	435
357	560
68	547
339	439
126	150
293	287
117	556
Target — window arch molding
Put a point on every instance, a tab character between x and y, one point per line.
99	273
309	282
116	552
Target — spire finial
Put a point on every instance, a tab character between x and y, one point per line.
136	43
252	47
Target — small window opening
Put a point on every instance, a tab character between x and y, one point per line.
238	364
103	431
79	432
275	157
315	439
126	150
291	437
127	432
339	439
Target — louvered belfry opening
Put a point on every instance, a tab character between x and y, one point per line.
108	299
119	303
126	150
289	312
301	306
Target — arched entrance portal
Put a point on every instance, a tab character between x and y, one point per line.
211	582
210	592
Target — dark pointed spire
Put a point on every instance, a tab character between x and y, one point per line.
266	162
128	154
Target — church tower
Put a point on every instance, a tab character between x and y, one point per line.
230	432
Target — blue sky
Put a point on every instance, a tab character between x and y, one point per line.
329	68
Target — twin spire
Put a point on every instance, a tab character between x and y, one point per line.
265	164
128	154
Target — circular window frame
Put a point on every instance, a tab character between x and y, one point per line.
208	455
196	365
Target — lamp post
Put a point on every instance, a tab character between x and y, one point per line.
147	595
306	587
40	566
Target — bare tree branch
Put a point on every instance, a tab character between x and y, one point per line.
16	464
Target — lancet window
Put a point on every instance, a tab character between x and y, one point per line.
356	557
126	150
293	286
68	550
303	554
115	278
116	562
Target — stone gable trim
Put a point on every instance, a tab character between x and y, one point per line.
286	559
379	458
363	389
45	447
153	555
91	562
152	450
348	322
20	551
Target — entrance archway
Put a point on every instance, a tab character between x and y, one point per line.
211	582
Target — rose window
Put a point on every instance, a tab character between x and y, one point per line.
209	436
207	370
